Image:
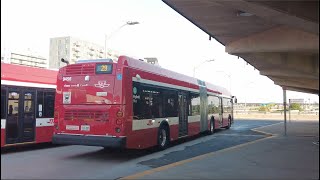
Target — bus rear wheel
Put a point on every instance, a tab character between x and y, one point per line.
163	137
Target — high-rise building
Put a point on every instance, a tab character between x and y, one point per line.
26	58
112	54
72	49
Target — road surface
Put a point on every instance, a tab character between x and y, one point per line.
85	162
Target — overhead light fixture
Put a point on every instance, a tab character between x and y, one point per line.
244	14
132	22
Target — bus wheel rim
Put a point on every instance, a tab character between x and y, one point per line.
163	137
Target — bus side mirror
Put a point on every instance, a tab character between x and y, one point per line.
234	99
64	61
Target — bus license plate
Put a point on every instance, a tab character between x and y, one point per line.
71	127
85	128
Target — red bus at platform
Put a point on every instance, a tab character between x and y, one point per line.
27	104
133	104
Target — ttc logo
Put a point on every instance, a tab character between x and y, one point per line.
102	84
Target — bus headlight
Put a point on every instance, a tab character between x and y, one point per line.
118	130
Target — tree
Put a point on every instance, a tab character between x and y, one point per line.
295	106
264	108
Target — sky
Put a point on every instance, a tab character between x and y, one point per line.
162	33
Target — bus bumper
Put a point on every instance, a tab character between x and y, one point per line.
104	141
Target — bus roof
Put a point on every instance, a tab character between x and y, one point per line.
93	60
171	74
19	73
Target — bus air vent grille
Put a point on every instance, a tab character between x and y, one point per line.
80	69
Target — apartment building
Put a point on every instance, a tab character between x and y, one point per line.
72	49
24	57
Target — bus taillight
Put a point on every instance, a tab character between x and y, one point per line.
119	114
56	119
55	123
118	121
56	114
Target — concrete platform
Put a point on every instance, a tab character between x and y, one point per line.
294	156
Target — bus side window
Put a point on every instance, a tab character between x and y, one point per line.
146	103
142	100
136	101
226	105
45	104
170	103
3	103
195	104
150	102
39	101
213	104
49	104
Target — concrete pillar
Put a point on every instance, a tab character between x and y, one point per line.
285	109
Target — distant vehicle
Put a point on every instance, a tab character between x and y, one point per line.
27	104
133	104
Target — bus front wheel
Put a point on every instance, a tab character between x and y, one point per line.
229	123
211	130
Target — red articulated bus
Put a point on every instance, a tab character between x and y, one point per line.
27	104
133	104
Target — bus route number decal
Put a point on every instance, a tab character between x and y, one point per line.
104	68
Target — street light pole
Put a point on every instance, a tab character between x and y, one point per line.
131	23
229	76
195	67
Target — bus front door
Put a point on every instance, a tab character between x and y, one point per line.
20	116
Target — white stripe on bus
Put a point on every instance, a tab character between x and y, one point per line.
28	84
43	122
40	122
147	123
3	124
195	118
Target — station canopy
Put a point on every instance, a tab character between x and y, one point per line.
279	38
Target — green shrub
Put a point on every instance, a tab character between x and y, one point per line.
295	106
264	108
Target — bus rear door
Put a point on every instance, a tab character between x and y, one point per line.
20	116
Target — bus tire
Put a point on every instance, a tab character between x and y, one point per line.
163	137
229	123
212	126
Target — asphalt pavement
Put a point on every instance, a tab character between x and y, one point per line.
237	153
278	155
